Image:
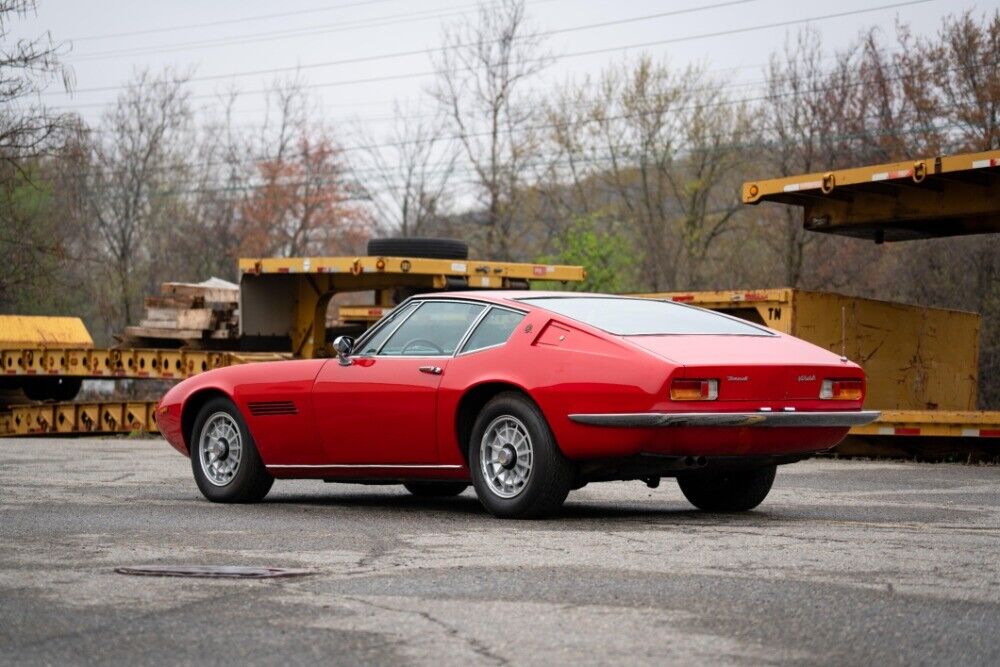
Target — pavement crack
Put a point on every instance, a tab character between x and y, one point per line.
477	646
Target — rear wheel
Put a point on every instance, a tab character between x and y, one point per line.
728	490
224	458
435	489
517	468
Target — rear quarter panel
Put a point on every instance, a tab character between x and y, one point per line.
569	368
565	369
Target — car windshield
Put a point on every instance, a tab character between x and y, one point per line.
644	317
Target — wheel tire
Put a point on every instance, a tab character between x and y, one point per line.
418	247
251	480
53	388
729	490
435	489
550	475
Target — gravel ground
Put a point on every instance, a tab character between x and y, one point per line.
847	562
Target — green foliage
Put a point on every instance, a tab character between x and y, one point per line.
31	248
603	249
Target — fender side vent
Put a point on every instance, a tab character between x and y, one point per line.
266	408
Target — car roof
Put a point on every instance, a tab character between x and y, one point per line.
516	297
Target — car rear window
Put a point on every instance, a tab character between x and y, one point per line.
645	317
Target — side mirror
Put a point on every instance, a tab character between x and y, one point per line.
343	346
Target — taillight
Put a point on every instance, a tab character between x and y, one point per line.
841	390
694	390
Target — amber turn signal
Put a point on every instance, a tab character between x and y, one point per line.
694	390
841	390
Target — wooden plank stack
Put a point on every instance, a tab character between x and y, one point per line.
189	313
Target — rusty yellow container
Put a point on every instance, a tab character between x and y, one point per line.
23	331
916	358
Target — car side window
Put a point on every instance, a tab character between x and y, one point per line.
435	329
373	343
494	329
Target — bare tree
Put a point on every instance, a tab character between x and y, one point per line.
967	76
31	244
484	66
657	149
407	173
137	179
27	67
796	120
297	195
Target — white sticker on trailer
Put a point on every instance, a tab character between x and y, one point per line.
886	430
980	164
970	432
458	266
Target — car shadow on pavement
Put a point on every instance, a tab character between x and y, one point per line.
464	504
578	512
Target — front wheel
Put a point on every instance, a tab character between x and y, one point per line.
224	458
517	468
727	490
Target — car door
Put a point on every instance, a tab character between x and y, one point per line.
380	408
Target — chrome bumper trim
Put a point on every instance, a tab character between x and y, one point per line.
656	419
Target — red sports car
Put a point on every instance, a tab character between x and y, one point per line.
527	395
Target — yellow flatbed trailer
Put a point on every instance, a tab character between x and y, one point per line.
97	417
287	298
928	357
931	197
282	297
126	363
109	417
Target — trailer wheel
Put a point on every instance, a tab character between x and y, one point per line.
727	490
52	388
418	247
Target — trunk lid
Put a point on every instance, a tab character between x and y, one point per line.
752	368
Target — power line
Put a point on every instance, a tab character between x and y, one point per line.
596	159
549	126
245	19
254	161
396	77
382	103
340	26
422	116
417	52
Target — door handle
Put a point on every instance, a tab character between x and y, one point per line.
433	370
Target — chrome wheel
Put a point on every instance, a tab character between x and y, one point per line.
506	456
220	448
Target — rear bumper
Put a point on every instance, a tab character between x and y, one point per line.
843	419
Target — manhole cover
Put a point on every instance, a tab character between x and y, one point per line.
212	571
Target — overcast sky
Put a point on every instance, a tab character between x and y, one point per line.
107	40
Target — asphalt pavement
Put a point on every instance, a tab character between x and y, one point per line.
845	563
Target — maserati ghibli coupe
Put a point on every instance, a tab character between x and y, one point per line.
525	396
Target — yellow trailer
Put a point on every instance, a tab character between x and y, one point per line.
33	331
916	358
286	299
898	201
921	364
280	298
